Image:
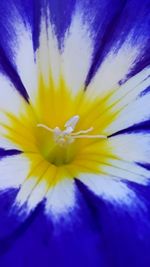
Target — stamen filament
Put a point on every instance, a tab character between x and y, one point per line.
45	127
83	131
90	136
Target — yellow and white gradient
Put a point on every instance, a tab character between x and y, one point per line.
47	170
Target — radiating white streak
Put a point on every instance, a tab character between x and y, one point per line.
132	114
60	198
133	87
32	183
132	95
10	100
114	68
37	195
130	169
108	188
53	54
42	58
47	55
77	53
25	191
122	174
115	192
129	101
25	59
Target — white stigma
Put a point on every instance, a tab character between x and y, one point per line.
67	136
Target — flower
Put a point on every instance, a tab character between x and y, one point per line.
74	133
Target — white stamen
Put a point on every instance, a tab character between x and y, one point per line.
67	136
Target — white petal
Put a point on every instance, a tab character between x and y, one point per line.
61	198
131	147
5	143
13	171
76	57
107	187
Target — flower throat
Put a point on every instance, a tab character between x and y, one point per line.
60	153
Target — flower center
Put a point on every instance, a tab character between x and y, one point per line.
60	151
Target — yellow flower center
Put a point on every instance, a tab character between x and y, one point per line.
61	134
59	152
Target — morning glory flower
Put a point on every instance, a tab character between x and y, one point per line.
74	133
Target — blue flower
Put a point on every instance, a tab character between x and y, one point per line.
74	133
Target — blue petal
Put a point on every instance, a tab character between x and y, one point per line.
98	235
61	14
125	233
9	221
124	18
8	16
38	242
110	23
